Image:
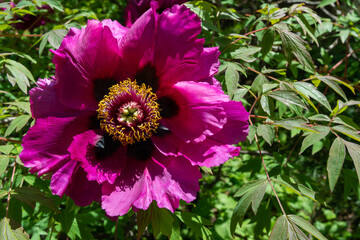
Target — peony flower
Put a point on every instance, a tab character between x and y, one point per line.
136	8
131	113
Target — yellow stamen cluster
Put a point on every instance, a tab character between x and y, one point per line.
128	91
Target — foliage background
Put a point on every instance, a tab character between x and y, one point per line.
296	69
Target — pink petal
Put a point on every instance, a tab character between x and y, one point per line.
82	191
45	145
100	170
200	111
163	179
178	27
136	46
83	57
44	101
62	177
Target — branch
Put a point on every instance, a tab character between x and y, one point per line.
9	140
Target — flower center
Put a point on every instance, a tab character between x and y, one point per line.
129	113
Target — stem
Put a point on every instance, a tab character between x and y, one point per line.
267	174
342	60
257	116
255	71
268	177
252	107
346	57
9	140
236	40
116	228
20	35
11	183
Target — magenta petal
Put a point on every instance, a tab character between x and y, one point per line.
209	153
179	181
163	179
62	177
136	8
45	145
82	191
237	126
116	28
131	13
136	46
91	54
44	101
168	145
83	149
178	27
207	67
201	113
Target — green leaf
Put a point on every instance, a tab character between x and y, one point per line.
21	68
18	76
249	187
252	192
295	46
313	138
287	98
299	189
56	36
251	134
347	131
264	101
258	195
18	53
324	3
54	4
295	123
161	221
267	41
354	152
22	105
266	87
17	124
7	233
345	120
6	148
245	53
196	224
143	220
320	117
306	27
4	162
231	80
239	212
175	233
306	226
310	90
3	193
44	40
335	161
328	80
344	34
30	195
239	94
295	233
267	132
279	231
259	81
